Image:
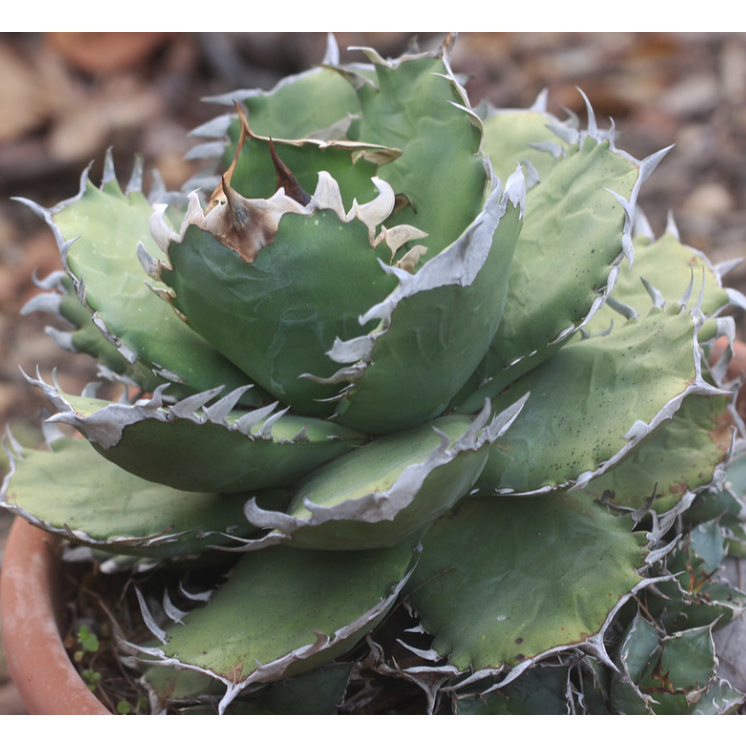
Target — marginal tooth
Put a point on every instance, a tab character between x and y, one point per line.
215	128
397	236
147	617
373	213
301	436
223	407
655	294
158	189
110	173
203	596
164	293
91	389
568	134
44	303
352	350
343	375
160	230
540	105
671	226
64	340
52	281
409	261
721	268
627	311
736	298
688	292
211	150
553	148
51	432
135	182
149	264
286	179
611	134
592	126
172	612
328	196
649	164
265	432
331	55
64	246
642	226
251	419
186	408
156	400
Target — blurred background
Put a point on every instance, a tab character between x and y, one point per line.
66	97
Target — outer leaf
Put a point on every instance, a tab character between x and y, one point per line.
285	611
75	493
679	457
541	574
594	401
573	238
668	266
108	277
218	450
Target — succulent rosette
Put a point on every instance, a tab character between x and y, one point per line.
406	350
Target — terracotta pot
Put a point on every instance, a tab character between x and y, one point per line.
38	662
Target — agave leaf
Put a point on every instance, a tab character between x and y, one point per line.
284	611
436	325
524	587
218	451
575	235
446	194
594	401
108	277
521	136
278	317
679	457
71	491
668	266
397	485
540	691
670	676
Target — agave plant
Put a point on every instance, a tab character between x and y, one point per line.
419	395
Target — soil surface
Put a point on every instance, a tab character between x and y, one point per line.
66	97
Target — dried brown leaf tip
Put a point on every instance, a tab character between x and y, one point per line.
286	179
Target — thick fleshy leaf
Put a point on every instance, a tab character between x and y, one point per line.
446	194
594	401
668	266
109	278
278	317
75	493
192	446
679	457
437	325
552	292
379	494
670	676
284	611
540	574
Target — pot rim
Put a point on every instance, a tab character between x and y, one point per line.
41	669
